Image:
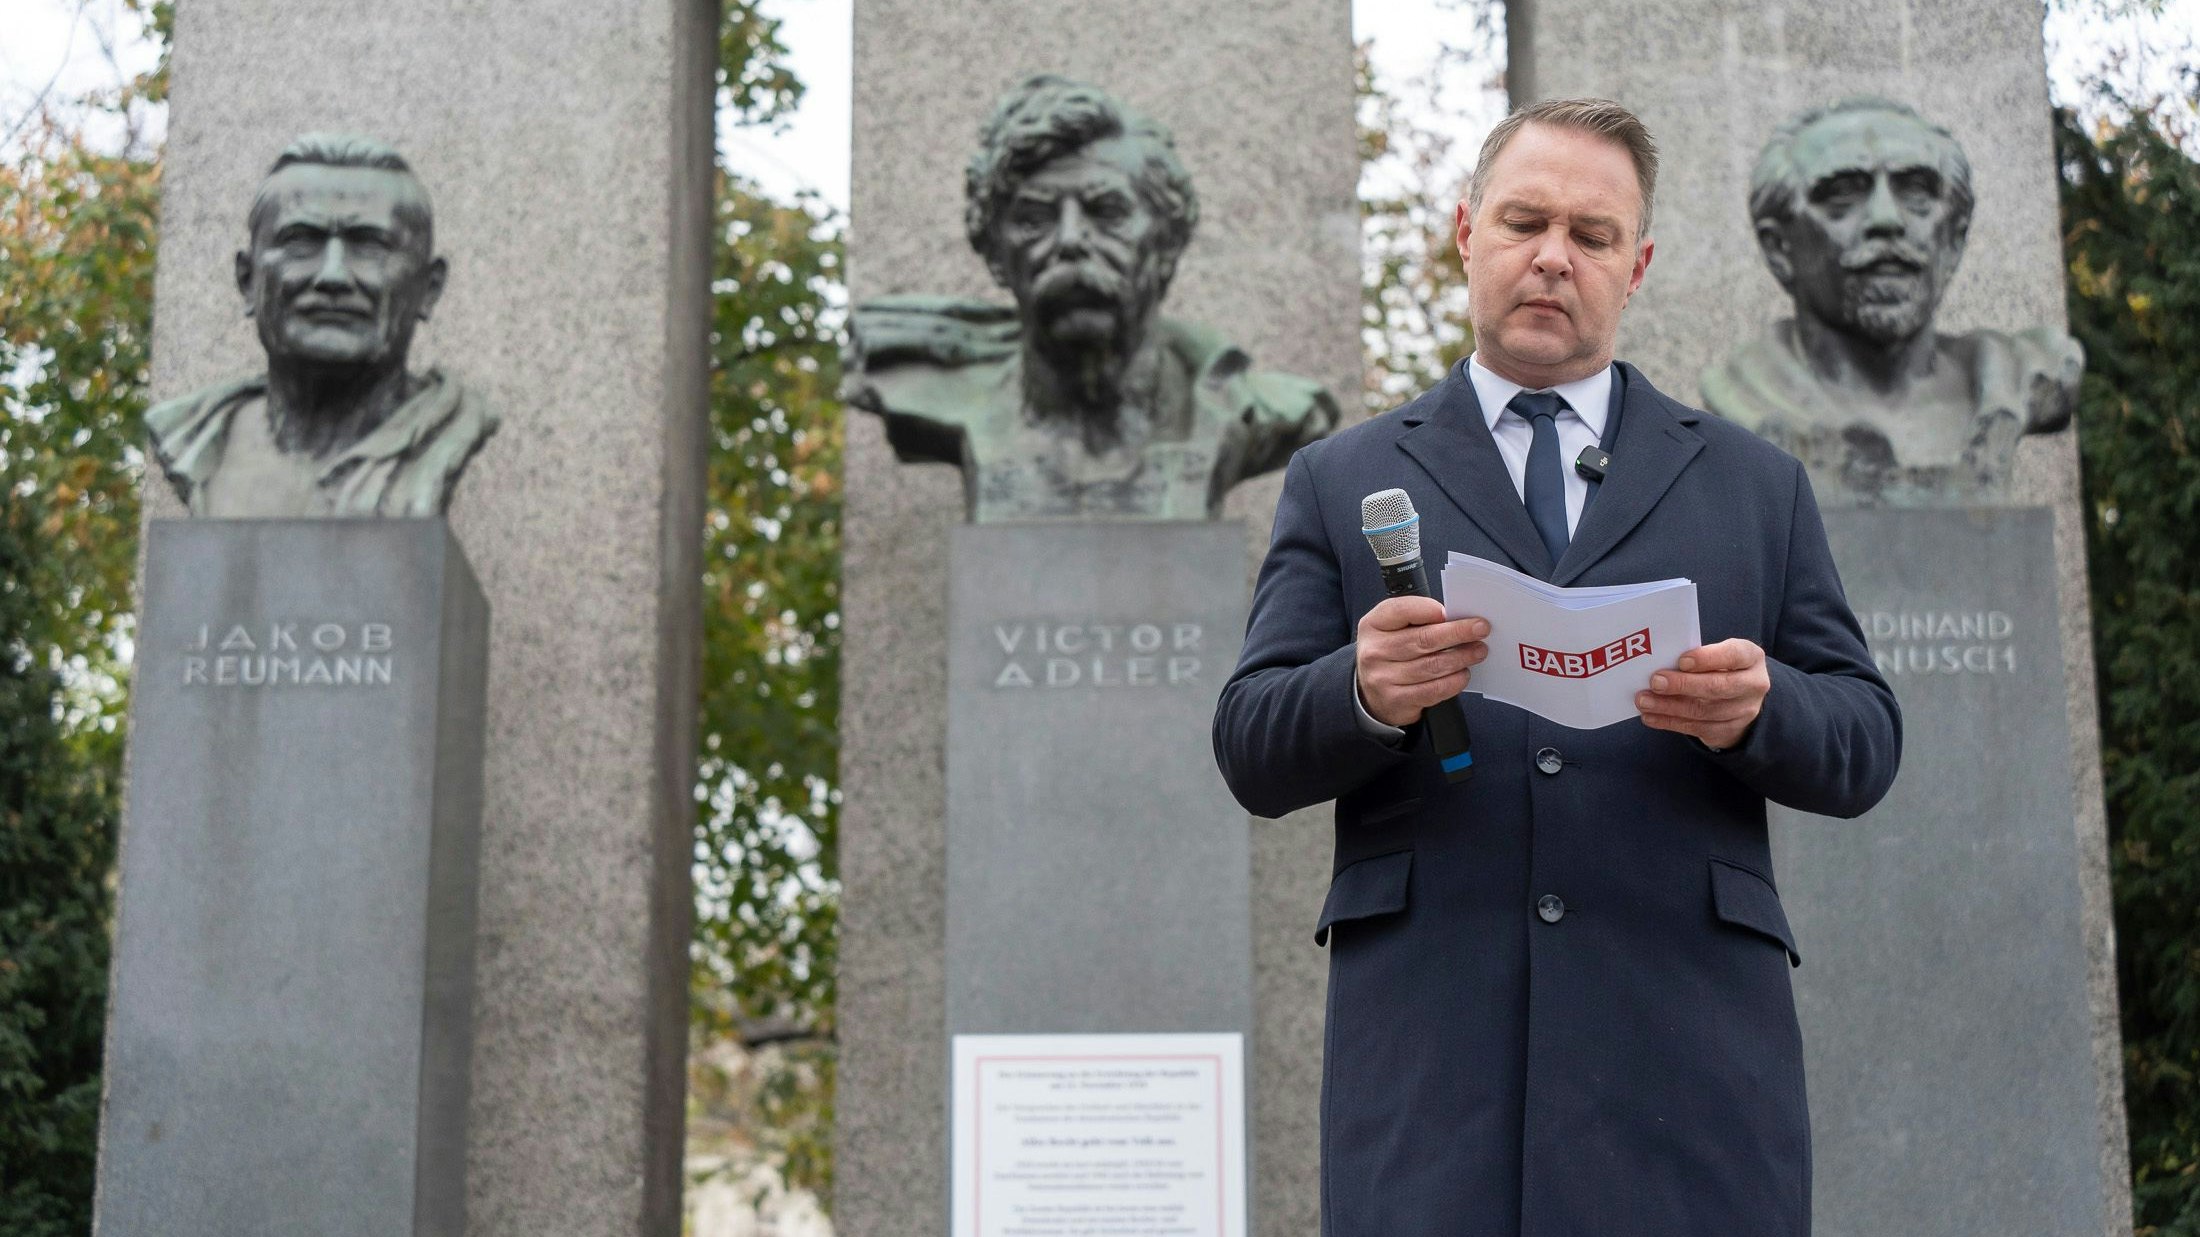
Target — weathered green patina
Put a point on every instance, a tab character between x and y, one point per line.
1081	401
1861	210
339	270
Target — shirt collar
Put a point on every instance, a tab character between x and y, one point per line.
1590	397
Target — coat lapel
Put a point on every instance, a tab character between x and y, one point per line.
1452	443
1654	445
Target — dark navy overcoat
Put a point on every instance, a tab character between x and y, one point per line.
1559	1002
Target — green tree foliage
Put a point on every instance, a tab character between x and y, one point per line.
76	243
767	855
755	85
56	843
2131	218
1413	308
76	296
1414	168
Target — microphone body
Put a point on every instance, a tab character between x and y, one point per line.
1392	528
1406	579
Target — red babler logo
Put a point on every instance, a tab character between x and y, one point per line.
1583	665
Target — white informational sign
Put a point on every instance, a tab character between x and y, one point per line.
1091	1135
1576	656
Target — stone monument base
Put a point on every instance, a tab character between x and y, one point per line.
1098	872
291	1029
1942	993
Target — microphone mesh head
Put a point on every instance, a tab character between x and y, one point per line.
1381	515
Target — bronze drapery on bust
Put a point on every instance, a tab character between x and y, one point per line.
1080	401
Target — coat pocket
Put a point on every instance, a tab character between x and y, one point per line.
1744	898
1371	887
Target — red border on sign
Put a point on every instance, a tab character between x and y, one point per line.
977	1126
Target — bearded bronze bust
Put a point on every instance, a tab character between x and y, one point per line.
339	270
1862	209
1080	401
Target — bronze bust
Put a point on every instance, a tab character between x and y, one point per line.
339	269
1861	211
1080	401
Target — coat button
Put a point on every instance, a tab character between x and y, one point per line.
1549	761
1550	908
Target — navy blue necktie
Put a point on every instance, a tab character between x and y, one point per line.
1544	488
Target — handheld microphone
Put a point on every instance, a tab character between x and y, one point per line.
1393	531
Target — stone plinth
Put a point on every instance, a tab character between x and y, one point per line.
1261	103
567	147
1097	868
294	964
1712	81
1942	992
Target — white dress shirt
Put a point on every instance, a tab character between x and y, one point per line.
1580	424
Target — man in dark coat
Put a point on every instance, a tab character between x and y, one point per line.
1559	1002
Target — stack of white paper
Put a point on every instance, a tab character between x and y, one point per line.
1574	655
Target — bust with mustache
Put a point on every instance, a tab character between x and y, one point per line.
338	270
1861	211
1082	401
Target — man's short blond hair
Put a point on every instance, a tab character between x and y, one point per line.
1600	117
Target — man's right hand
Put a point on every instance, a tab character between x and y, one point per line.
1409	656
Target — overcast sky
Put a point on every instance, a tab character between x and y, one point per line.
61	48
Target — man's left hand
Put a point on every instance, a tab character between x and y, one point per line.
1713	693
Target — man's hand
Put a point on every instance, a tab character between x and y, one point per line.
1408	657
1713	693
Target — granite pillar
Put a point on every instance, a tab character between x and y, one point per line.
1261	103
567	148
1712	80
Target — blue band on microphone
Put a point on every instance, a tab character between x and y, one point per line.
1456	763
1391	528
